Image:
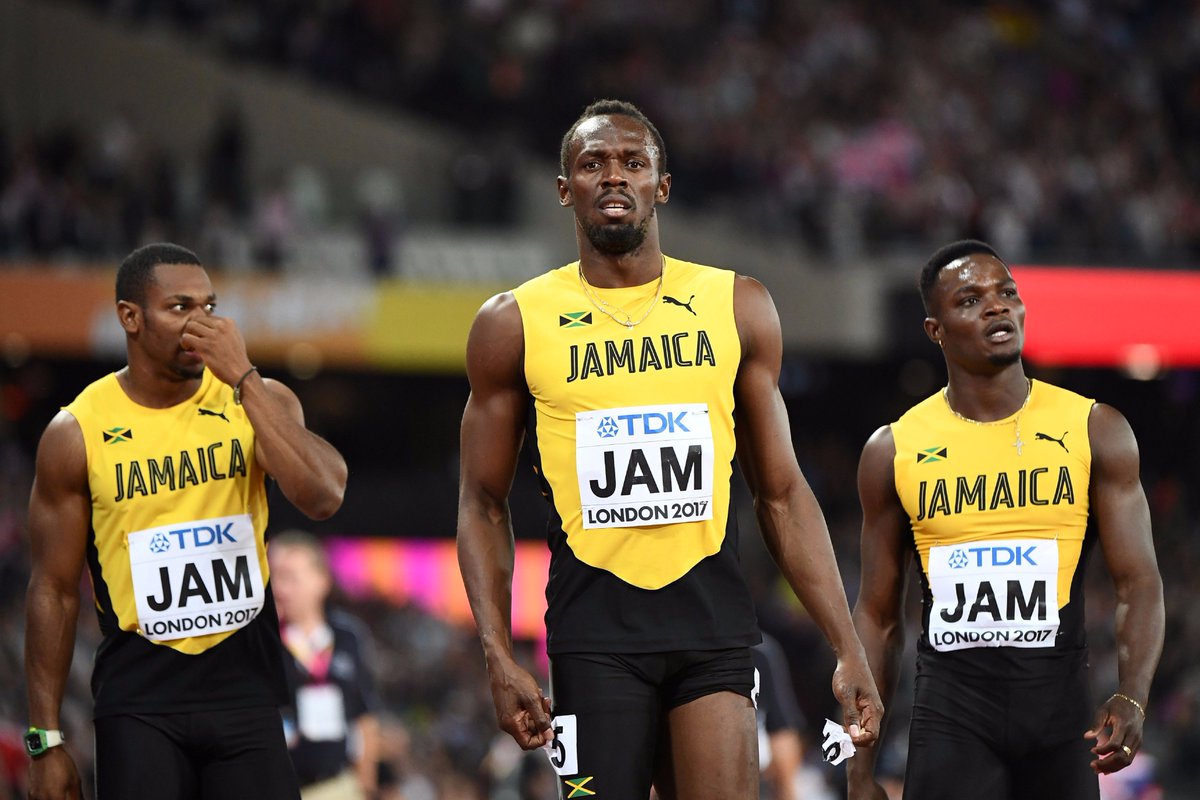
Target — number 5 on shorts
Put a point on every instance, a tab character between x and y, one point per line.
564	756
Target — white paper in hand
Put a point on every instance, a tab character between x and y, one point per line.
836	744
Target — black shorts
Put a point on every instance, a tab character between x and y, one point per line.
1001	740
234	754
609	712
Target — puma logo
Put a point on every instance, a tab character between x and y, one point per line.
688	305
1045	437
206	412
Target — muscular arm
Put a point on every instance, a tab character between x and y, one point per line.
310	471
885	561
59	518
1118	505
493	428
791	521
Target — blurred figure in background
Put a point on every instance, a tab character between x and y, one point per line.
780	750
332	727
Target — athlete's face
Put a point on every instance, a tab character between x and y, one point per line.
977	316
177	293
299	583
613	182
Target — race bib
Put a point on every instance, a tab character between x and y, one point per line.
1000	593
563	748
321	713
195	578
644	465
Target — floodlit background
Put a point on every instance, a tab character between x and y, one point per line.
359	175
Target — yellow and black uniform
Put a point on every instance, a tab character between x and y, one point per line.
634	438
999	516
177	555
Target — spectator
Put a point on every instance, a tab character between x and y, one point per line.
332	725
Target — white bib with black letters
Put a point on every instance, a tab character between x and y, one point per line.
996	593
197	577
644	465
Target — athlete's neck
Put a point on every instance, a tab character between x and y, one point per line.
986	398
639	266
153	387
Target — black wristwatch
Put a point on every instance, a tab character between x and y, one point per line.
39	740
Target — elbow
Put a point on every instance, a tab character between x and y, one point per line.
44	591
324	502
326	506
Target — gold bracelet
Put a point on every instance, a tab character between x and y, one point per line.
237	387
1136	704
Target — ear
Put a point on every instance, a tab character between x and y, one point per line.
663	192
130	316
933	329
565	199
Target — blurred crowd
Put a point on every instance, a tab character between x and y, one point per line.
71	193
1065	130
439	739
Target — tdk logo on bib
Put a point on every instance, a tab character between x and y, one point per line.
993	557
160	543
199	536
647	424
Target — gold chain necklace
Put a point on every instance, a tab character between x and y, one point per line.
604	306
1017	443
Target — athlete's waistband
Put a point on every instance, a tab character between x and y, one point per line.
559	645
1004	664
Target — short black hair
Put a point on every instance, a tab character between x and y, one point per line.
137	270
945	256
605	108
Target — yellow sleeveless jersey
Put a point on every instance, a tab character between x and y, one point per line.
999	512
634	425
179	513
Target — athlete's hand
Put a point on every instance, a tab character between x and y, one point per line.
522	710
1118	726
53	776
862	710
219	342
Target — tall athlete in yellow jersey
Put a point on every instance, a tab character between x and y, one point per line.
999	486
154	477
636	365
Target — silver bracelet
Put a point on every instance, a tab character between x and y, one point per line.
237	387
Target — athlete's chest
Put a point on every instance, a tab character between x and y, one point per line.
164	456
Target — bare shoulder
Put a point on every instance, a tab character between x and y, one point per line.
280	390
496	343
499	315
881	443
1105	420
1110	435
62	455
879	453
750	295
756	318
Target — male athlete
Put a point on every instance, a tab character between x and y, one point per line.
155	475
993	483
634	363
